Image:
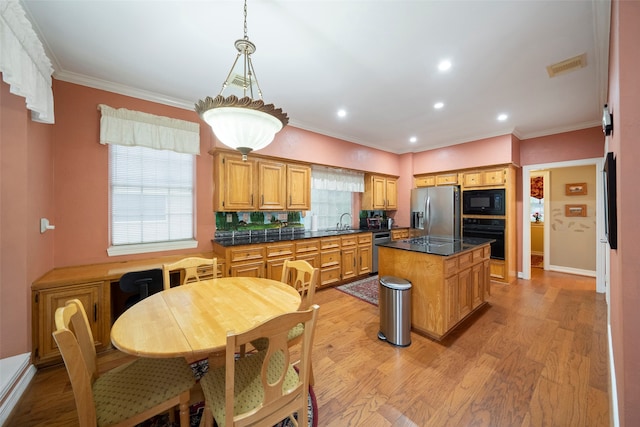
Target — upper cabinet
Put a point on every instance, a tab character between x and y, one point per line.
433	180
259	184
483	178
380	192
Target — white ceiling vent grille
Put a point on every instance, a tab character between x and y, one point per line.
567	65
239	81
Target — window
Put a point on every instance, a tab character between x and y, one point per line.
151	198
328	205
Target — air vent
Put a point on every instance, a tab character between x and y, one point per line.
567	65
239	81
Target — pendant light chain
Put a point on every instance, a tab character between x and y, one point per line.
246	37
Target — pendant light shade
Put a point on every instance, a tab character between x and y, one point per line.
245	124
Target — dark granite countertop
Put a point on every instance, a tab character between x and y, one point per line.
437	245
284	235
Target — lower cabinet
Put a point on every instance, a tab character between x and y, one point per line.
330	261
365	253
277	254
246	261
94	297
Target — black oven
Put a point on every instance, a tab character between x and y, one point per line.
486	229
483	202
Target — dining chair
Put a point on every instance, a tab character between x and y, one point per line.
262	388
193	270
141	284
127	394
303	277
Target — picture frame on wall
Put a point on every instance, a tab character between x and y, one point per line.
575	210
576	189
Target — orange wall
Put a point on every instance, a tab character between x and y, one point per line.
25	195
624	101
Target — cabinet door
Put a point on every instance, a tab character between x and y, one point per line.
349	267
452	312
391	190
48	301
247	269
364	259
477	288
237	185
495	177
472	179
275	267
425	181
272	185
450	179
378	188
298	187
464	292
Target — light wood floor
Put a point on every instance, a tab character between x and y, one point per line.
536	356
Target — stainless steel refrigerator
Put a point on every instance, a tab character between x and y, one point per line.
436	211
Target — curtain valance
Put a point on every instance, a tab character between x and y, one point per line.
24	65
325	178
126	127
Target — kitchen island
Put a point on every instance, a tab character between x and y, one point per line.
449	279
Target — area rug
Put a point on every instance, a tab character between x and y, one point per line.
364	289
537	261
196	410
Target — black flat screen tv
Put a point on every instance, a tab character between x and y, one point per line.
610	212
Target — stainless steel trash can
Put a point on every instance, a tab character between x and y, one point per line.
395	310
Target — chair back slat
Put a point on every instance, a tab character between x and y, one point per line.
190	267
303	277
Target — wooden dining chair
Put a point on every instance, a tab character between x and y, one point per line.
192	268
127	394
262	388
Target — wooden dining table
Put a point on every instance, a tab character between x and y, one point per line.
192	320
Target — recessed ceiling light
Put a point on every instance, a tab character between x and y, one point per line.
413	139
444	65
438	105
342	113
502	117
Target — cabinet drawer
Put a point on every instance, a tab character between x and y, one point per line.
329	275
349	241
465	260
478	254
330	258
283	249
246	253
450	266
329	243
447	179
363	239
307	246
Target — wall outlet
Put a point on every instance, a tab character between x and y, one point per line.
229	217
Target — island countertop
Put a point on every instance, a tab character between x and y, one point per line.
437	245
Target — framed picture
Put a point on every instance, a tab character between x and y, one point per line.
578	189
575	210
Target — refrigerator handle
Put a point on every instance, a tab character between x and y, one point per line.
428	215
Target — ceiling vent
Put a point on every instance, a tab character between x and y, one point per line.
567	65
239	81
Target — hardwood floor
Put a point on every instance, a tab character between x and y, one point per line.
536	356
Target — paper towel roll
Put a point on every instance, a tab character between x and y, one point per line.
314	222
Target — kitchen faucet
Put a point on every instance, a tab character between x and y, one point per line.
339	226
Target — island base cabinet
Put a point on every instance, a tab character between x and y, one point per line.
445	289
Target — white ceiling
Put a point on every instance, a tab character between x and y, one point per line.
375	58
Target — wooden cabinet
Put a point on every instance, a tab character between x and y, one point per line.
277	254
454	288
365	253
380	193
94	297
234	183
272	186
246	261
481	178
330	261
249	185
298	187
400	234
309	250
433	180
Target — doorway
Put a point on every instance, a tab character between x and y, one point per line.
538	213
600	242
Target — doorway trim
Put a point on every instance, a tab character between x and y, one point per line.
526	230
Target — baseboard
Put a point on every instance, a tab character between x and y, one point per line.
613	391
569	270
16	373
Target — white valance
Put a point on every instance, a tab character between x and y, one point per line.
24	65
325	178
126	127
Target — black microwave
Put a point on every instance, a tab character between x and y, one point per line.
483	202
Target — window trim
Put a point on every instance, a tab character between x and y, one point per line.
141	248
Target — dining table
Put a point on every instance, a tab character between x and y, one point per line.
192	320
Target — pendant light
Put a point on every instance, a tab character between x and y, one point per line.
245	124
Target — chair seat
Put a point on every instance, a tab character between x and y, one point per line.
133	388
248	392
